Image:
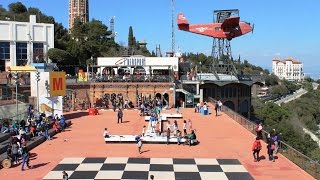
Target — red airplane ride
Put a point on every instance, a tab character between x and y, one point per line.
229	29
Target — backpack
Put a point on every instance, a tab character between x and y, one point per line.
273	146
258	145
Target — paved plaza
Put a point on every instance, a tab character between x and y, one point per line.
220	138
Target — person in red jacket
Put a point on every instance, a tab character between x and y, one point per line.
256	147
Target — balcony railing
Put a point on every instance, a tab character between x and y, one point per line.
307	164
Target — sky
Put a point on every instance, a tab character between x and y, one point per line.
282	28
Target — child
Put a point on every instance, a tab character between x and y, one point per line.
139	144
153	126
190	124
65	175
143	130
106	133
185	127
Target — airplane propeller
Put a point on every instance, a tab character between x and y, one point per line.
252	28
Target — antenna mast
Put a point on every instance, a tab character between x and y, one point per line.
172	26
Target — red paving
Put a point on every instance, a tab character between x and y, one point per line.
220	137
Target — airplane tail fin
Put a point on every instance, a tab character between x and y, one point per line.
182	22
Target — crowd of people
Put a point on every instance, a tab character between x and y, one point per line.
273	143
25	130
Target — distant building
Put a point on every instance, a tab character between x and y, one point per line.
78	9
289	69
23	43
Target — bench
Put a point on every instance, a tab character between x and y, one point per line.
171	115
4	136
163	118
145	139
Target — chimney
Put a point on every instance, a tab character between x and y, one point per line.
33	19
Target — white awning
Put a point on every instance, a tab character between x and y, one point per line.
160	67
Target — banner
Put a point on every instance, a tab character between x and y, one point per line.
57	84
82	76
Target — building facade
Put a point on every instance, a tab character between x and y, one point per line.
22	43
78	9
143	65
289	69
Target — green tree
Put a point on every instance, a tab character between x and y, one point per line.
272	80
59	56
17	8
279	90
131	38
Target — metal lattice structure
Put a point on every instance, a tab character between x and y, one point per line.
221	48
113	33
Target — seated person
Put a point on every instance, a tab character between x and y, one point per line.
62	123
56	126
4	129
106	133
192	138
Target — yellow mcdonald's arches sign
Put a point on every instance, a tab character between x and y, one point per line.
57	84
82	77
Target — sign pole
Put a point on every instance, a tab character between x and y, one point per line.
17	107
38	79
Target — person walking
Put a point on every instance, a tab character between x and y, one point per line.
175	127
25	157
256	147
271	148
259	130
168	136
184	127
216	108
120	115
139	143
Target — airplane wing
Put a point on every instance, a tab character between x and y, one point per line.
230	23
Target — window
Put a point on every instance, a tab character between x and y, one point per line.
37	52
4	50
21	54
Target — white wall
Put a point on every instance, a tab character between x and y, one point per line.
28	32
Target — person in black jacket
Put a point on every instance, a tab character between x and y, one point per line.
25	157
120	115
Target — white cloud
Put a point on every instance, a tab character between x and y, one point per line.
277	54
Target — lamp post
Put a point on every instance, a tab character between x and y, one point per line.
200	69
91	67
38	79
16	77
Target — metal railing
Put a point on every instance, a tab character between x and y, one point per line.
18	118
304	162
127	78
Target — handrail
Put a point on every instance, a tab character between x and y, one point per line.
304	162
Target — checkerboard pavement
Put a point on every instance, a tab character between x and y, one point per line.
142	168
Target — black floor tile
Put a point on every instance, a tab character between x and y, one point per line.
228	161
139	160
183	161
66	167
94	160
135	175
113	167
187	175
83	175
161	167
239	176
209	168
